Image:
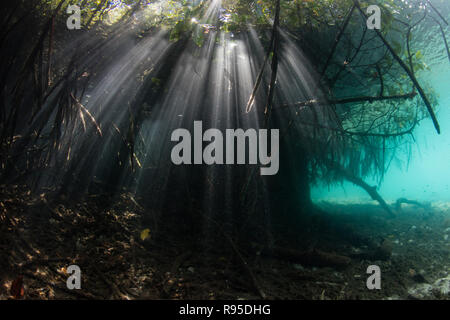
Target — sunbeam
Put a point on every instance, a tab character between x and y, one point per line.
224	149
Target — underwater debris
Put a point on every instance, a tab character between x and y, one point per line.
316	258
384	251
440	288
400	201
418	277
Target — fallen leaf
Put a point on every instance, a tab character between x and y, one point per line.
17	290
145	234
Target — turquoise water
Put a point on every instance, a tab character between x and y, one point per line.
427	175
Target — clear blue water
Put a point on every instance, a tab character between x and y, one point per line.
427	175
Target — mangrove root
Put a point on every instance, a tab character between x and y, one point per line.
316	258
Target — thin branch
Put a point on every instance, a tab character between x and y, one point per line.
371	190
438	13
251	100
86	111
443	37
241	258
381	79
336	41
350	100
273	77
408	71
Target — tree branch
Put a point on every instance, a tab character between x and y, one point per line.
273	43
407	70
435	10
350	100
371	190
336	41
